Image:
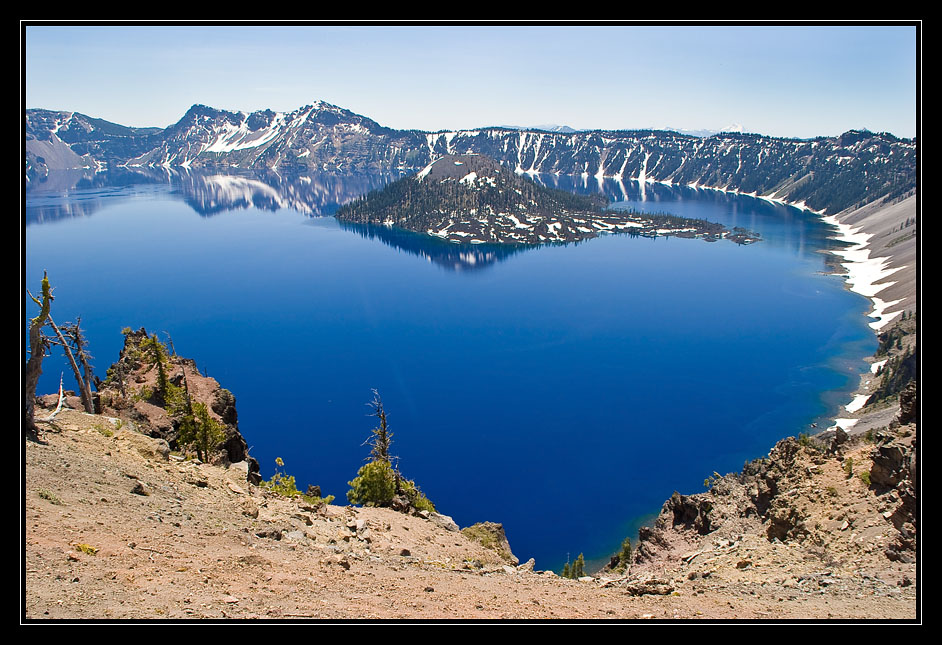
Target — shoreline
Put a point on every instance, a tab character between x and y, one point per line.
863	275
866	276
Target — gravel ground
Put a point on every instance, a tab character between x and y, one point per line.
201	543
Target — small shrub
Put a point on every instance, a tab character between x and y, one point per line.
104	431
374	485
285	485
865	477
144	394
50	497
415	496
624	555
832	491
849	467
86	548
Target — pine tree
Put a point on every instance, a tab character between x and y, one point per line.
578	568
378	482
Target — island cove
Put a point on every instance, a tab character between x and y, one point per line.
472	199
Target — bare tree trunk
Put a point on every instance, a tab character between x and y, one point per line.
84	391
37	349
75	333
58	405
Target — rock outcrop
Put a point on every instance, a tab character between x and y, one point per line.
492	536
131	392
845	501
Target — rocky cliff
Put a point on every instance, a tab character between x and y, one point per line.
131	392
831	512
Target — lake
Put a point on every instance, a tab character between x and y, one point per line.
564	391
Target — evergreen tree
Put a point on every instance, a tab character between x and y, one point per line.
578	568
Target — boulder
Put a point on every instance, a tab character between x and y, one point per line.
443	521
890	464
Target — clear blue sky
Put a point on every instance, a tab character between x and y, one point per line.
791	81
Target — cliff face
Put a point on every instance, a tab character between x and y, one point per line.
833	512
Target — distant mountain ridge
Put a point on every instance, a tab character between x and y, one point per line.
826	174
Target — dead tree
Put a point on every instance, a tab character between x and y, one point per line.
58	409
75	332
84	384
382	437
37	350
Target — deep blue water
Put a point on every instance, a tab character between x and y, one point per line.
565	391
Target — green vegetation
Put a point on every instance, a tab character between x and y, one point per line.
155	353
86	548
378	482
104	430
50	497
900	347
374	485
196	427
865	477
284	485
576	571
849	467
200	431
623	556
422	203
710	481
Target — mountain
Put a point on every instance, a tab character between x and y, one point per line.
827	174
473	199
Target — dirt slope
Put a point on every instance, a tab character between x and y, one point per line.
116	528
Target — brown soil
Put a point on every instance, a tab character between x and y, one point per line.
202	543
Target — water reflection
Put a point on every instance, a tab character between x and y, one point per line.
799	231
65	194
453	257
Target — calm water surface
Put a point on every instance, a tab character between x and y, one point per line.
565	391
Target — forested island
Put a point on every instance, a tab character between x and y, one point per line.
472	199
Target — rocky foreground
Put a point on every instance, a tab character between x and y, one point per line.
118	527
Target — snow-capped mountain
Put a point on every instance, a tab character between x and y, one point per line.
826	173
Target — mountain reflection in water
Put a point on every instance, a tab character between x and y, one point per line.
56	196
